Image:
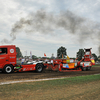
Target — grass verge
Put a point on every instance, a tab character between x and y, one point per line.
96	65
74	88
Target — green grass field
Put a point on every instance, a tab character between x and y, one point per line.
96	65
74	88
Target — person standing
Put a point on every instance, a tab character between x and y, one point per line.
22	61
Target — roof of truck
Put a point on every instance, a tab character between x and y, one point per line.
6	45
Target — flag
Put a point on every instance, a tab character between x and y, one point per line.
44	54
30	54
68	57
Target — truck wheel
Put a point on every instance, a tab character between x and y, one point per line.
39	68
83	68
8	69
88	68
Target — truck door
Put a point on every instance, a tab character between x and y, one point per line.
3	56
12	54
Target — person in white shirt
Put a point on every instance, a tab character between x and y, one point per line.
22	61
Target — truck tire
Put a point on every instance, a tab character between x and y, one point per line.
83	68
39	67
8	69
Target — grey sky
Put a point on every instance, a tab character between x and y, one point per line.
13	10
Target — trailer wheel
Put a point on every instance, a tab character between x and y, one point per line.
88	68
8	69
83	68
39	68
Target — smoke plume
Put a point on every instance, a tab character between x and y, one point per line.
46	23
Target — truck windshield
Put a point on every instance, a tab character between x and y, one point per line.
3	51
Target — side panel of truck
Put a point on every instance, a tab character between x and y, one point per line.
30	67
12	55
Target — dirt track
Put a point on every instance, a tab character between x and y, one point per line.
46	74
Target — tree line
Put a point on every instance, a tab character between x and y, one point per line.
61	53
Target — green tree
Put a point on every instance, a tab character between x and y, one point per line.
19	54
34	57
80	54
61	51
95	57
99	58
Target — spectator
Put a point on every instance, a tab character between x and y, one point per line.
26	60
22	61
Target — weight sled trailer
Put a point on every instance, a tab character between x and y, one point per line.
67	65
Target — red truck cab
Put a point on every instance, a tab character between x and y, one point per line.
8	62
7	58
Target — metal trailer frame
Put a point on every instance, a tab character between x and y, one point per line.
81	65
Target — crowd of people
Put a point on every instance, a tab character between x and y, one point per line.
26	60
